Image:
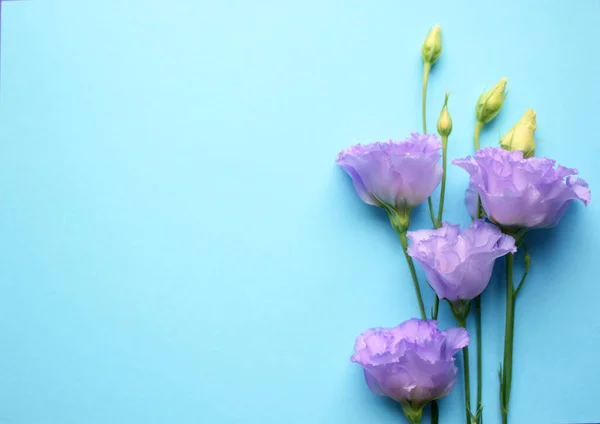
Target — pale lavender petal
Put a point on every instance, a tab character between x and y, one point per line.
373	384
471	200
456	339
581	189
396	381
359	186
419	235
458	264
412	363
517	192
401	174
438	283
433	379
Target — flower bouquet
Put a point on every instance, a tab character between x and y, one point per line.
510	192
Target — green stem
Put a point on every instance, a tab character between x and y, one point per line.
508	338
461	319
436	307
527	265
467	383
435	413
478	128
460	311
479	356
443	188
431	213
438	222
426	69
476	135
413	273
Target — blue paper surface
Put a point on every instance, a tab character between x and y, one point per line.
178	245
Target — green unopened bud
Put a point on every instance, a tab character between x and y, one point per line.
489	104
521	136
444	123
432	46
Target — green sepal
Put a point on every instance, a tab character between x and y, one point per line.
414	414
460	309
399	217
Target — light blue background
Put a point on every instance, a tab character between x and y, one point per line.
178	245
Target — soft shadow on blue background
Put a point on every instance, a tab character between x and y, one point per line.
179	246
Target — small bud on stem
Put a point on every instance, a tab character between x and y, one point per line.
444	123
490	103
432	46
521	136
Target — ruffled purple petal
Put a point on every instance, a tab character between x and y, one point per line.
456	339
472	200
359	186
397	173
458	264
433	380
580	188
438	283
517	192
396	381
411	363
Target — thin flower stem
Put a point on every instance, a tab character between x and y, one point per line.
508	338
461	312
431	213
413	273
443	188
465	351
426	69
435	413
476	135
478	128
522	281
438	223
527	265
479	358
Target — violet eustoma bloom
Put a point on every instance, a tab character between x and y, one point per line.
458	264
412	363
522	193
401	174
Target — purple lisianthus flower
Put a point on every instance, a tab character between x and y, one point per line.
401	174
522	193
458	264
412	363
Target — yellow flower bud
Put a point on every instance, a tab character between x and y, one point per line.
521	136
444	123
489	104
432	46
